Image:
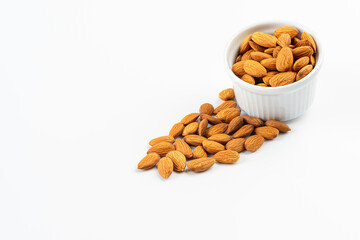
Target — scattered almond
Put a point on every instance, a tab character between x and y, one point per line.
191	128
176	130
161	148
183	147
267	132
194	140
227	94
227	156
190	118
228	114
165	167
206	108
282	127
168	139
244	131
235	124
224	105
254	142
178	159
201	164
216	129
256	122
237	145
149	161
199	152
220	138
203	127
212	146
212	120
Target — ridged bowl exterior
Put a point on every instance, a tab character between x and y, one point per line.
279	103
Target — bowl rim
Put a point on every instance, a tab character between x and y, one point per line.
274	90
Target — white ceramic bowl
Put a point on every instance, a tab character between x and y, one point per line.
279	103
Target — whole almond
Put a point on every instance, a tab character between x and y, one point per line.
149	161
258	56
306	36
183	147
220	138
256	47
190	118
269	64
168	139
216	129
191	128
212	120
246	56
201	164
269	51
284	60
203	127
245	45
312	60
302	43
303	72
224	105
287	29
244	131
178	159
227	156
199	152
282	79
238	68
299	52
227	94
206	108
300	63
228	114
176	130
267	132
254	142
282	127
161	148
194	140
165	167
268	76
249	79
212	146
237	145
264	40
256	122
284	40
234	125
276	51
254	68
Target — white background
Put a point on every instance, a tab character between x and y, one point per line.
84	85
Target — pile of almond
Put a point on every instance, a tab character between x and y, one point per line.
275	60
192	138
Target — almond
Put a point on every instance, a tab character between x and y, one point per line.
191	128
199	152
224	105
238	58
212	120
303	72
220	138
212	146
227	94
300	63
299	52
256	47
269	51
264	40
249	79
203	126
284	40
245	45
161	148
253	143
168	139
312	60
234	125
267	132
227	156
183	147
284	60
269	64
178	159
276	51
149	161
256	122
308	37
282	127
176	130
246	55
165	167
228	114
206	108
302	43
244	131
190	118
296	40
238	68
282	79
293	32
201	164
194	140
261	85
268	76
254	68
216	129
258	56
237	144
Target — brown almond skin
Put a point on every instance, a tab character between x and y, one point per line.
224	105
263	39
178	159
183	147
165	167
282	79
282	127
254	142
304	72
287	29
268	76
161	148
176	130
308	37
149	161
227	94
238	68
216	129
168	139
284	40
284	60
246	55
244	131
258	56
191	128
227	156
235	124
228	114
194	140
276	51
199	152
220	138
254	68
203	127
269	64
245	45
249	79
212	146
267	132
262	85
312	60
300	63
256	122
237	145
206	108
299	52
302	43
201	164
269	51
190	118
212	120
238	59
256	47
